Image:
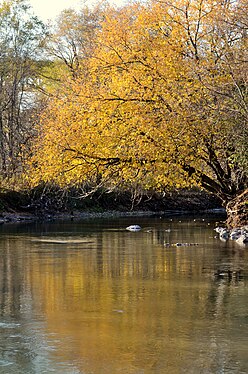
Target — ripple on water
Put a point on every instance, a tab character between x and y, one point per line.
5	363
6	325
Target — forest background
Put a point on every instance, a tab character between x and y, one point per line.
148	98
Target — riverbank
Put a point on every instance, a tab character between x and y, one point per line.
6	217
18	207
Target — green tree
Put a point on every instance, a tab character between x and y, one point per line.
21	41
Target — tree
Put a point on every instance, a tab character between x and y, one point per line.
21	38
68	46
164	105
71	38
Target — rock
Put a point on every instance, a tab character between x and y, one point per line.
219	229
235	234
224	234
133	228
242	240
238	234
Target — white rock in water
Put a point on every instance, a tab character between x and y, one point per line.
235	234
224	234
243	239
219	229
133	228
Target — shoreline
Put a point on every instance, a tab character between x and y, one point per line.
22	207
22	217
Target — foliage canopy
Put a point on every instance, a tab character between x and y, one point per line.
160	102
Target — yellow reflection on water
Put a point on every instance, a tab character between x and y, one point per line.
126	304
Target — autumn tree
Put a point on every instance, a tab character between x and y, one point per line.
71	38
164	103
21	36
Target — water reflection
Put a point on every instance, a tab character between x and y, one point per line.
94	298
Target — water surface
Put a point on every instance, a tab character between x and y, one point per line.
90	297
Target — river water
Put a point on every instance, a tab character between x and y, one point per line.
90	297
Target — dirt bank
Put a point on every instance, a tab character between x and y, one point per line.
237	211
15	206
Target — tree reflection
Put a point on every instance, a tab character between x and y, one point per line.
124	302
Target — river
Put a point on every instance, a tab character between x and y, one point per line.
91	297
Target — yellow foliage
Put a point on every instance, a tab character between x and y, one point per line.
153	105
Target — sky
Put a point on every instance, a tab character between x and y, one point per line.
49	9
